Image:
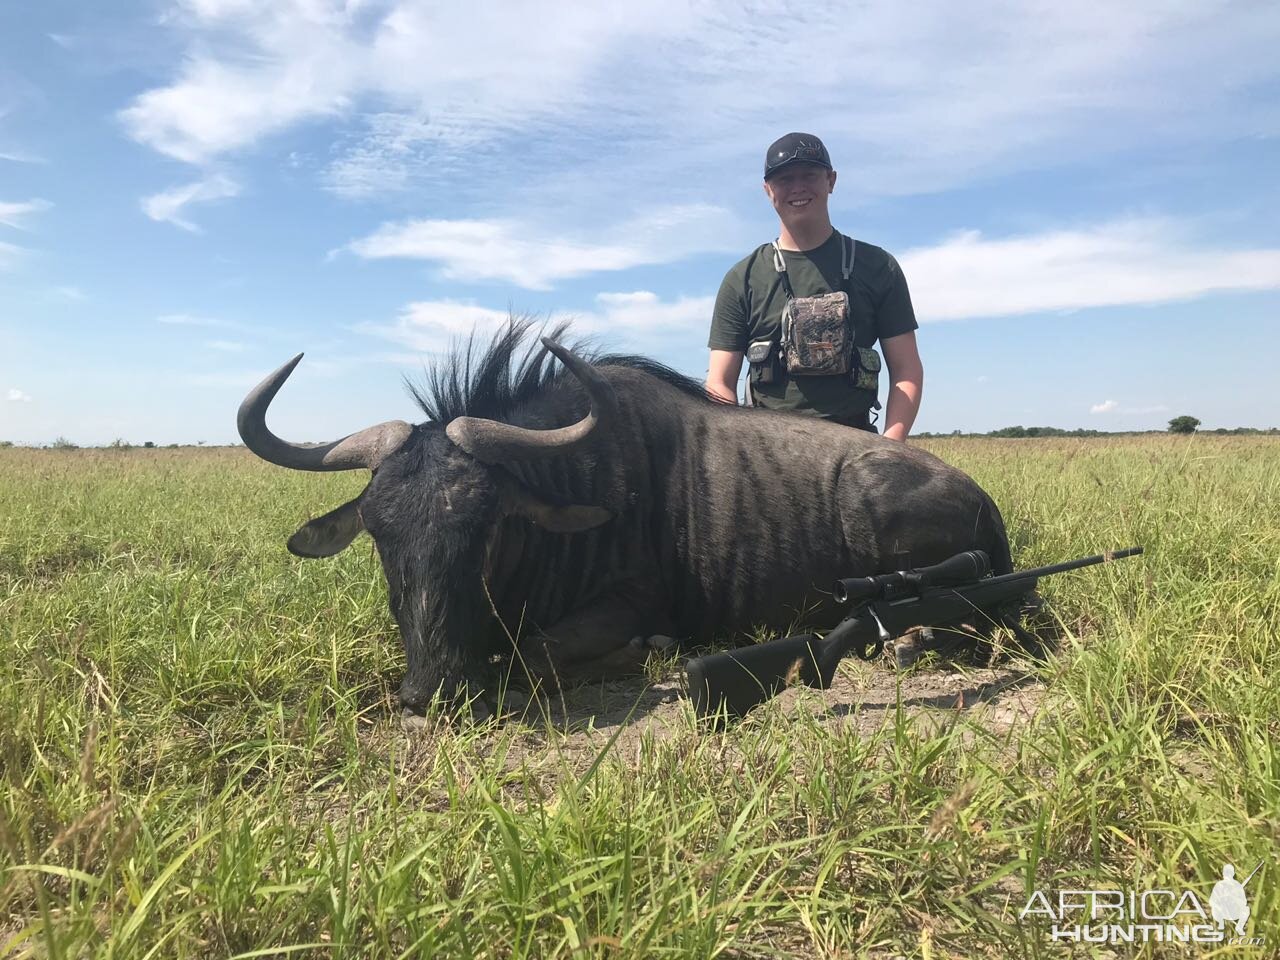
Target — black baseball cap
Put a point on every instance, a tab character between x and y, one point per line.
795	148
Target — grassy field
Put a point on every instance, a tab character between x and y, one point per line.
201	755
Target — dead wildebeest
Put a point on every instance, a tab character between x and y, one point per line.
610	505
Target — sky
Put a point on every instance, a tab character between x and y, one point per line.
1083	197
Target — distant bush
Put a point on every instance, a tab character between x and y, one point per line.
1019	432
148	445
120	443
62	443
6	443
1183	424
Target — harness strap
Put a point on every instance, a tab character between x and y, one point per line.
848	250
780	264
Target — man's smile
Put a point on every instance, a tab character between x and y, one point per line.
800	203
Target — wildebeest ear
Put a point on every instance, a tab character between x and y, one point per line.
573	518
330	534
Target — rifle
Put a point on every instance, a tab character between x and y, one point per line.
884	606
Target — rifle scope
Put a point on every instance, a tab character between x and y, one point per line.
962	568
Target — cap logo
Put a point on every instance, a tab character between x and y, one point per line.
796	147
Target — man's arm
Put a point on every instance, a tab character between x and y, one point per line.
722	374
906	384
728	339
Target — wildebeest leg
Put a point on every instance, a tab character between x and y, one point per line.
612	637
946	642
976	635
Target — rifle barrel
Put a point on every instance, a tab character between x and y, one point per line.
1061	567
1255	870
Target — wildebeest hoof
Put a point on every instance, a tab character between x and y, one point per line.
469	700
477	710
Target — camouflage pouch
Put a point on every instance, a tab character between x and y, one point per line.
816	335
865	373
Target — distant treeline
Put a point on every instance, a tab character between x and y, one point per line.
1021	432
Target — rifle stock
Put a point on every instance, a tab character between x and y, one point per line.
735	681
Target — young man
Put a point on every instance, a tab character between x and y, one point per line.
811	258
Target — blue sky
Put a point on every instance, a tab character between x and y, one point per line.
1083	197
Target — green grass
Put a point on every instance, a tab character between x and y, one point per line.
201	756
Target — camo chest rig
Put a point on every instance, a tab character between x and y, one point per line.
817	335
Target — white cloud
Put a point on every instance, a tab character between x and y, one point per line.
641	316
17	396
575	95
215	107
622	320
12	157
14	214
1111	406
475	71
213	10
168	205
382	158
431	326
1125	262
534	257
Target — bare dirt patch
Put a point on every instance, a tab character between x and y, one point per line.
862	696
575	724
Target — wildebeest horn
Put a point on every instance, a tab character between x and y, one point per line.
367	448
492	442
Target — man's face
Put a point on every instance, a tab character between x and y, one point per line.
799	192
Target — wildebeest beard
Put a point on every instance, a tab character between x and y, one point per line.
583	513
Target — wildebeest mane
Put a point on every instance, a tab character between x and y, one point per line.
655	369
473	380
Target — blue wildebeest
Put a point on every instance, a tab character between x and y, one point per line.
610	505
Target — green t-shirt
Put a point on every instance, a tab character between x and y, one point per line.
749	307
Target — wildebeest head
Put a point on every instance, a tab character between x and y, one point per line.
432	505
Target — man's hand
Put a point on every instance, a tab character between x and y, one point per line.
906	384
722	374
